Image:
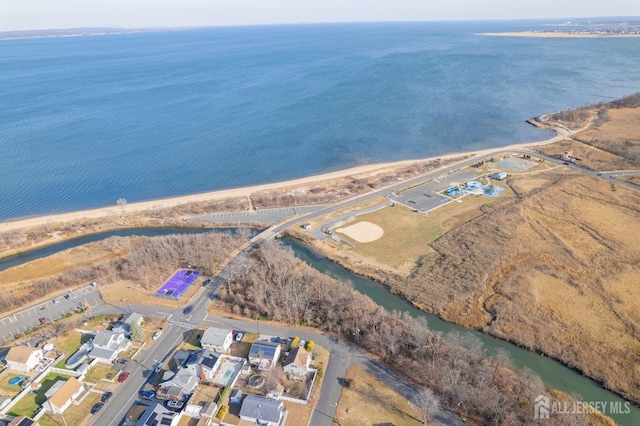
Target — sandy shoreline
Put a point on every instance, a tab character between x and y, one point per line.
141	206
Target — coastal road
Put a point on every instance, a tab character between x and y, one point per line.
342	355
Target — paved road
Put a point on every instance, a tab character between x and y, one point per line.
266	216
343	354
28	318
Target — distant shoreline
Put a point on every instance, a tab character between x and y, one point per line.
557	34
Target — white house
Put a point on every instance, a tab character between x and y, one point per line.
156	415
262	411
202	364
216	339
107	345
23	358
297	362
184	379
62	394
264	354
124	325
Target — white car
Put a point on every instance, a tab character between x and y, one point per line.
156	335
239	336
55	300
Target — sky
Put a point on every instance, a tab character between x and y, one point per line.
46	14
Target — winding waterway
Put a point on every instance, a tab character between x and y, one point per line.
554	374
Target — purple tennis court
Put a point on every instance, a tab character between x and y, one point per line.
178	284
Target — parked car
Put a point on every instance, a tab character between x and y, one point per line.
239	336
67	296
124	376
187	310
175	405
42	320
122	361
147	394
206	283
55	300
97	407
106	396
156	335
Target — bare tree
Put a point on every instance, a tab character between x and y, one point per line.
428	402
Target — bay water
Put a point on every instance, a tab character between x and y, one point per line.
87	120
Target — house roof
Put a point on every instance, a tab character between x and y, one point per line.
214	336
20	353
63	394
261	408
132	317
104	338
22	421
184	378
298	356
203	357
264	349
156	415
102	353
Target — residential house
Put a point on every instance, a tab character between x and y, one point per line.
23	421
217	339
297	362
23	358
62	394
156	415
124	325
262	411
107	345
264	354
202	364
184	380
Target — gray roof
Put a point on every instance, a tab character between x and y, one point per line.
184	379
261	408
156	415
214	336
203	357
104	338
264	349
102	353
132	317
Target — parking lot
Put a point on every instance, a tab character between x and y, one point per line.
47	311
426	197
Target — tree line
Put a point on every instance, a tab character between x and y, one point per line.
272	283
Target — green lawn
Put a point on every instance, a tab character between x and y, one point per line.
8	390
74	415
69	344
407	235
100	371
29	403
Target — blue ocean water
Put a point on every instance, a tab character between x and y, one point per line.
85	121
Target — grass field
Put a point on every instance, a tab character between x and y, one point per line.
70	343
75	414
6	389
407	235
614	145
100	371
29	403
368	398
